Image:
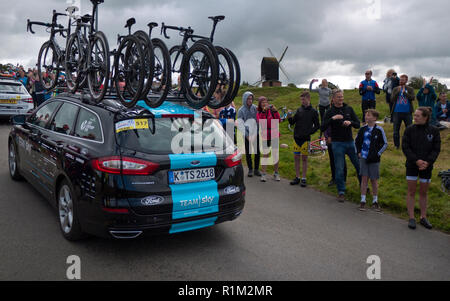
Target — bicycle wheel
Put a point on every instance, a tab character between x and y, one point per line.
75	62
161	82
48	69
237	76
176	58
129	71
98	66
149	65
199	75
225	83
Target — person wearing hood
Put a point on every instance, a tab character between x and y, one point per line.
342	118
421	145
247	125
427	95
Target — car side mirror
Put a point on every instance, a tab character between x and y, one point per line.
18	119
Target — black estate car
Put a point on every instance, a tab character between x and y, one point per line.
117	172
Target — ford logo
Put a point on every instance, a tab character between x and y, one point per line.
195	163
152	200
231	190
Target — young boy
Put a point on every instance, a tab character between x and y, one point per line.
306	122
370	144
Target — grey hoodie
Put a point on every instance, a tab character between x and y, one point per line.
245	113
324	95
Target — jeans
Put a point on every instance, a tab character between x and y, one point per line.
340	149
322	111
248	153
398	118
365	105
332	165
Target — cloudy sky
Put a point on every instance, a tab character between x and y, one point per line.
337	40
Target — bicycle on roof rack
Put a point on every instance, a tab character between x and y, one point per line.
158	84
51	58
197	66
229	70
130	69
87	56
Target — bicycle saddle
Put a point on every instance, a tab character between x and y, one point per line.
217	18
130	22
86	18
152	25
72	9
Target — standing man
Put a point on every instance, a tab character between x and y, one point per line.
324	96
306	122
341	118
402	107
249	128
367	89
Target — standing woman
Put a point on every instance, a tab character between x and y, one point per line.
266	117
421	145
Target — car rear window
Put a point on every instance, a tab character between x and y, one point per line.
64	119
12	88
172	135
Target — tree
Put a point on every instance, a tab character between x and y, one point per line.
417	83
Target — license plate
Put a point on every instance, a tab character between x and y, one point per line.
8	101
191	175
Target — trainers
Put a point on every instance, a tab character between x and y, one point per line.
276	177
250	173
257	173
263	178
332	183
376	207
424	222
341	198
362	207
412	224
296	181
303	183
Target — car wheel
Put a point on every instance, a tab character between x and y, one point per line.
13	166
67	213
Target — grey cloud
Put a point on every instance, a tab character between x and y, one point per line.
408	34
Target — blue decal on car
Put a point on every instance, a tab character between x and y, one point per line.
194	225
182	161
194	199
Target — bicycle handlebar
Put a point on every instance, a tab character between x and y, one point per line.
31	23
164	28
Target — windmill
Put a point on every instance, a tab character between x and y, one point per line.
270	74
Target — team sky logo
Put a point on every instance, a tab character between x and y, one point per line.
198	202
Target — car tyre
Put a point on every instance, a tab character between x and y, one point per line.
68	212
13	166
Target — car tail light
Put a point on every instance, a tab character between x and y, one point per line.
125	166
234	159
27	100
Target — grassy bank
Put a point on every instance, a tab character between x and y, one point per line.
392	183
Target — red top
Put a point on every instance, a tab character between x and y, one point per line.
267	132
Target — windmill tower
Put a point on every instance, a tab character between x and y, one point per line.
270	70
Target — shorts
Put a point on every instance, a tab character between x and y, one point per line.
301	150
371	170
413	173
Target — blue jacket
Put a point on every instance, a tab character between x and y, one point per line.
438	110
427	100
366	94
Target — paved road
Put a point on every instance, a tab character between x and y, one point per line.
285	233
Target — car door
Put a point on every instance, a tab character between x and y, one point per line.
32	156
54	154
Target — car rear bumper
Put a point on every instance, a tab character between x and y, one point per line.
130	225
13	112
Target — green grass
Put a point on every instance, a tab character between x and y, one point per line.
392	192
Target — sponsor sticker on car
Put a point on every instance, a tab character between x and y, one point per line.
131	124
